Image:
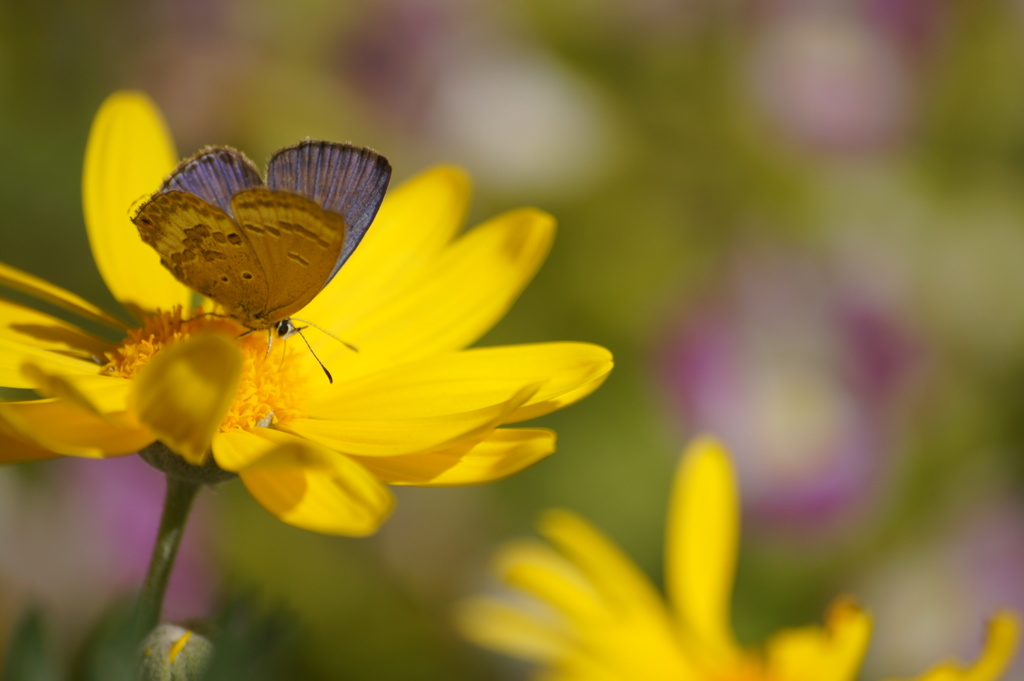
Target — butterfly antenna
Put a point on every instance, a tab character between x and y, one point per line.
330	379
326	332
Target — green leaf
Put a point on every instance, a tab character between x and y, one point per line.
110	650
27	657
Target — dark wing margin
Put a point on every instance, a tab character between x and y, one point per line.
215	174
347	180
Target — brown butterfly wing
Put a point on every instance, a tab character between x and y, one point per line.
206	251
341	178
296	243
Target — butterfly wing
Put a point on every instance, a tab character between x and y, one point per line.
206	251
296	243
347	180
215	174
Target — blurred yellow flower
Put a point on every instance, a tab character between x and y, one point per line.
605	621
412	407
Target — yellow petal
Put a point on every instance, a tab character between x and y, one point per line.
452	302
639	638
815	654
470	379
16	448
416	220
44	290
504	452
625	588
311	487
585	665
1000	648
496	625
38	329
234	450
602	619
540	571
555	402
69	430
184	392
701	544
128	155
397	429
14	355
100	394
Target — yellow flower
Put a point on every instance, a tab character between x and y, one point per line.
602	620
411	407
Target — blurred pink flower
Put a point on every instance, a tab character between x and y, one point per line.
949	581
76	539
395	58
123	509
462	81
798	375
831	80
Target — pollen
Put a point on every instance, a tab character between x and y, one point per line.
270	387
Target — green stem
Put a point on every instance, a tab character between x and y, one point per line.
177	504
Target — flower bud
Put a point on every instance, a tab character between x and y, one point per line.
174	653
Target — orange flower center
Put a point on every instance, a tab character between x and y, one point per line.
270	388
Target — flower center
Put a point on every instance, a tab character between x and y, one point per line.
270	388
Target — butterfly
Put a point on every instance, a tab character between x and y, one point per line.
263	250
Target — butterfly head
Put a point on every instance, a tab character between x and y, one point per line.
285	329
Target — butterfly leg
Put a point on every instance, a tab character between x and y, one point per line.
270	342
280	364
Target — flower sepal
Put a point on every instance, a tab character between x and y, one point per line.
161	457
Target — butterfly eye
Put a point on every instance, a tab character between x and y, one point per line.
284	329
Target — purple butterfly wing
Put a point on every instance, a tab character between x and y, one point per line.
215	174
343	179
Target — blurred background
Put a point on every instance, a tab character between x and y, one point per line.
798	225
